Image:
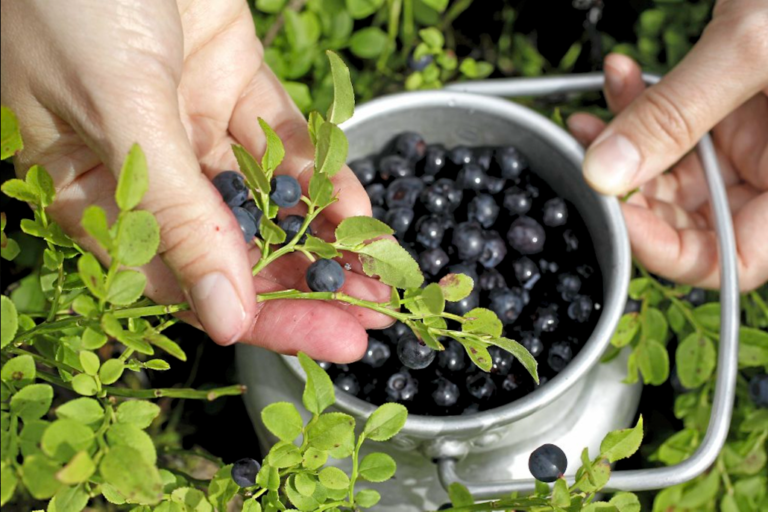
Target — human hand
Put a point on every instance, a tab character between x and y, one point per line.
185	80
722	85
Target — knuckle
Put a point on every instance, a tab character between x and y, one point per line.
663	119
747	29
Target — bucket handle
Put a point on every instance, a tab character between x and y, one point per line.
727	364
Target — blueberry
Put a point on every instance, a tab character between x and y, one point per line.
484	157
325	276
250	207
419	64
377	353
413	353
507	304
555	212
401	387
429	231
468	240
434	159
446	393
758	390
376	193
494	185
526	236
396	331
517	201
547	463
364	169
410	145
244	472
471	409
568	285
510	162
465	305
510	383
492	279
325	365
472	176
292	225
395	166
483	210
286	191
441	197
467	270
400	220
231	186
546	320
494	249
481	386
432	261
246	222
347	382
452	359
580	309
559	355
532	344
526	272
461	155
632	306
379	213
548	267
403	192
696	297
502	361
410	249
570	240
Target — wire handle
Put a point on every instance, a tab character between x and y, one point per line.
727	364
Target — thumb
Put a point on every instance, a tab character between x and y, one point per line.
728	66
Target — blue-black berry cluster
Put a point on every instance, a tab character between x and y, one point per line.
483	212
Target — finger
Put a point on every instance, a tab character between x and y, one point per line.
666	121
585	127
743	136
623	81
675	216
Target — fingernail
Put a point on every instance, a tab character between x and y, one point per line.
612	164
218	307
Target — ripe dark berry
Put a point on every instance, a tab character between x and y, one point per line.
231	186
286	191
377	353
395	166
376	193
446	393
494	185
517	201
410	250
325	365
453	358
481	386
250	207
696	297
325	276
526	272
483	210
347	382
467	270
559	355
410	145
244	472
494	250
400	220
568	285
555	212
758	390
547	463
526	236
532	344
432	261
468	241
364	169
632	306
434	159
246	222
502	361
509	162
429	231
379	213
570	241
403	192
441	197
473	177
507	304
465	305
413	353
484	157
396	331
460	156
492	279
292	225
421	63
580	309
401	387
546	320
510	383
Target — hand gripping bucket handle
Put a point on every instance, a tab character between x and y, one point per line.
727	363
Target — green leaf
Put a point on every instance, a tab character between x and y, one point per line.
456	286
332	148
753	347
18	189
653	361
133	182
708	315
318	391
367	498
368	43
129	434
275	151
628	327
333	478
163	342
32	402
138	237
91	274
271	233
283	420
131	475
320	190
9	248
478	353
10	135
137	412
85	410
377	467
64	438
421	330
19	371
330	430
314	458
439	6
305	484
360	9
432	295
30	436
460	495
90	362
251	506
599	506
40	181
675	318
222	489
391	263
703	493
270	6
85	384
482	321
284	455
9	321
561	497
7	483
126	288
191	499
353	231
696	357
39	476
111	371
621	444
69	499
251	169
321	248
678	447
301	502
78	470
343	97
385	422
157	364
520	353
95	223
433	37
597	473
84	305
626	502
471	68
638	286
655	326
268	478
315	122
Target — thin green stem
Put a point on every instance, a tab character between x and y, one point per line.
57	293
111	273
757	299
338	296
41	359
193	453
355	457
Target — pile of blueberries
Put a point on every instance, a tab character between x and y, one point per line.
482	212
